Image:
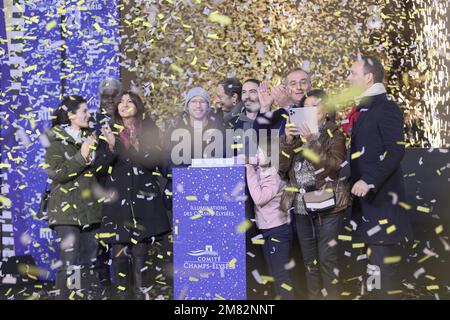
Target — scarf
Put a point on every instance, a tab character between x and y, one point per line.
353	115
129	137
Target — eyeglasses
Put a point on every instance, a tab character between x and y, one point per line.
198	102
295	84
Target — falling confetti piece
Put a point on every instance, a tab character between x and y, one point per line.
344	237
232	263
423	209
221	19
404	205
286	287
394	259
5	201
244	226
391	229
50	25
311	155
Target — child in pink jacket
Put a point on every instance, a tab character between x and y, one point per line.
265	187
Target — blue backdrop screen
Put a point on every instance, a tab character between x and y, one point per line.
68	47
209	249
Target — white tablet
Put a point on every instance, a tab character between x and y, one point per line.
305	116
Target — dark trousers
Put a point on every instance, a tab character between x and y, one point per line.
78	253
134	269
320	253
102	266
277	253
384	277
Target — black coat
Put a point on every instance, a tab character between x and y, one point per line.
137	212
379	132
271	120
182	123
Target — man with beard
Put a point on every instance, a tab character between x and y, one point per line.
255	97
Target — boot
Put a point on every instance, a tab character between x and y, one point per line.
121	278
140	278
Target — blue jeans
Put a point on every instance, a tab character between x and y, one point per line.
315	235
277	253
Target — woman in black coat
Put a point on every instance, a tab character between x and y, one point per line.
134	217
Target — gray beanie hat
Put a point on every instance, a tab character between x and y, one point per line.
194	92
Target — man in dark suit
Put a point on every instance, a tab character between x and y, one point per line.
377	149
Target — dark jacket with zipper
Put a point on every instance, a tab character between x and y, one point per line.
133	209
330	147
71	200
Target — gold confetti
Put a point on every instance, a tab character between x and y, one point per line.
394	259
232	263
404	205
50	25
176	68
258	241
221	19
356	155
391	229
5	201
286	287
423	209
243	226
344	237
97	27
311	155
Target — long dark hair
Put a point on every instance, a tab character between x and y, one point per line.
68	104
141	113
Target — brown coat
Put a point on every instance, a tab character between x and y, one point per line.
331	149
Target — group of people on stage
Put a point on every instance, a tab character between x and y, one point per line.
109	208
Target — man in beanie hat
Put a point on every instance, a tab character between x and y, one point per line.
197	106
196	118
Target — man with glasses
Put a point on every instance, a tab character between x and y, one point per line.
287	95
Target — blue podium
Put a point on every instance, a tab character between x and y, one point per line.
209	250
